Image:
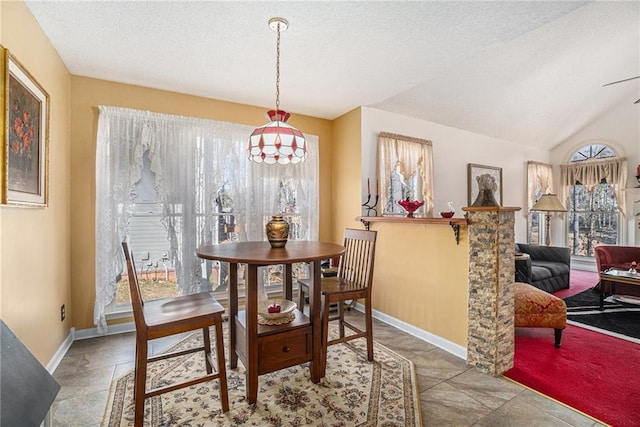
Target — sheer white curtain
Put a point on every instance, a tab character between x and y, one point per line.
191	159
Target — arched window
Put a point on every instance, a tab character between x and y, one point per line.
590	152
594	179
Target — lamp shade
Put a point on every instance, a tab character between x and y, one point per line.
548	203
277	141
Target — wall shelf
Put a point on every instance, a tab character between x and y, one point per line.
455	223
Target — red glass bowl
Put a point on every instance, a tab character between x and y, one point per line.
410	206
447	214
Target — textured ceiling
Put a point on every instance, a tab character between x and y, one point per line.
527	72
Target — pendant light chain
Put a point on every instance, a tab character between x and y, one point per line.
278	68
277	141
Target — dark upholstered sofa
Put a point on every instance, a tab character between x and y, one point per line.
548	268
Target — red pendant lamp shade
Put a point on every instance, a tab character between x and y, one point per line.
277	141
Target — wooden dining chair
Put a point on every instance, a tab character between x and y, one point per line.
171	316
353	282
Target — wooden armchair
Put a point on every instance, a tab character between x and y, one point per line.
171	316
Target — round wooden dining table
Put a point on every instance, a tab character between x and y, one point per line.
267	348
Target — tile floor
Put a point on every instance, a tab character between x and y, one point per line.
451	393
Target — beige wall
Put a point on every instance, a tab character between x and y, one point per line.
87	95
34	242
421	277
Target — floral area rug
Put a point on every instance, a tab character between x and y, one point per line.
354	392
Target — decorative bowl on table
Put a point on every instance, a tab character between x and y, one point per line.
447	214
269	308
410	206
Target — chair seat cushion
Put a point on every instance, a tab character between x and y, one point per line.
534	307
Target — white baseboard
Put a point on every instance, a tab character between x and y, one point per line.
154	346
446	345
62	350
80	335
117	328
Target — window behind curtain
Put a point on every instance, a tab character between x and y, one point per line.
405	171
595	181
183	182
593	218
539	182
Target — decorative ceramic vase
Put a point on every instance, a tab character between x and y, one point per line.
277	231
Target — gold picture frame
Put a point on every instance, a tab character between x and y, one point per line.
474	171
25	136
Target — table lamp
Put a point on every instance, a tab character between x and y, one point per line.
548	203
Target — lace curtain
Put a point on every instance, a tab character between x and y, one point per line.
192	161
592	172
405	169
539	181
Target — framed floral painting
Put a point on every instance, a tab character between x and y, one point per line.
25	165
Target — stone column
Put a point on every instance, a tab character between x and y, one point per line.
490	342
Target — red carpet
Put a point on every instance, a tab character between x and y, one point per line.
594	373
580	281
591	372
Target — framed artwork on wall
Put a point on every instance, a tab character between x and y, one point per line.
484	185
25	162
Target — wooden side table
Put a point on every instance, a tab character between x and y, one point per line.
523	266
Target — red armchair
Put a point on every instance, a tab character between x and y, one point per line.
609	256
619	257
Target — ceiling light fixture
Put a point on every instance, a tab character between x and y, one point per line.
277	141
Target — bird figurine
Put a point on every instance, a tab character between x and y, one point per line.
450	212
451	209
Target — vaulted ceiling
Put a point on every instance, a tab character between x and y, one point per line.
530	72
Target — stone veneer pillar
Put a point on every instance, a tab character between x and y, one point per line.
490	341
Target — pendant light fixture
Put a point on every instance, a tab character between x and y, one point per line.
277	141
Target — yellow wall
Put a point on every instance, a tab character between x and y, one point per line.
346	173
420	274
421	277
34	242
87	95
47	255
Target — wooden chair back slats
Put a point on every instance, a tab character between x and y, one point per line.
354	282
355	264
